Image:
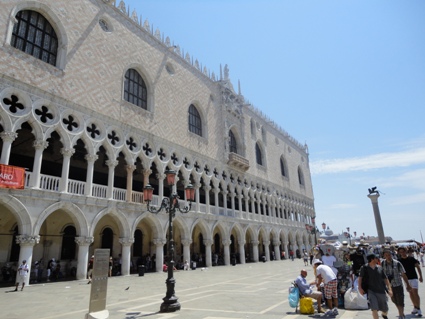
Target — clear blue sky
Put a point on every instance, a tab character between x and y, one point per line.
346	77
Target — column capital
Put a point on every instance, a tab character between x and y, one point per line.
266	242
226	242
84	241
255	242
8	136
241	242
68	152
208	242
276	242
91	158
160	176
126	241
112	163
40	144
159	241
27	240
186	242
373	197
130	168
207	188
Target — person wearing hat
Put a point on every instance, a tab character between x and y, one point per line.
22	275
377	283
326	275
411	265
395	273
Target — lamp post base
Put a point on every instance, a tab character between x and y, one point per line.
170	304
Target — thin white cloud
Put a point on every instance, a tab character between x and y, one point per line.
342	206
383	160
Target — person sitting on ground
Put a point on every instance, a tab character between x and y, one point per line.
307	290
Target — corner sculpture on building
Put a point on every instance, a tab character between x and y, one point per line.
95	105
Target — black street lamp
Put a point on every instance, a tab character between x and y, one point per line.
170	204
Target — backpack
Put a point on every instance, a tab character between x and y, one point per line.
294	296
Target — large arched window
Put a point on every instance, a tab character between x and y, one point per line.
300	176
232	143
195	122
34	35
258	154
135	90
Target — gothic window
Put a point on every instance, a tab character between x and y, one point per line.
283	169
135	90
258	155
195	123
232	143
300	176
34	35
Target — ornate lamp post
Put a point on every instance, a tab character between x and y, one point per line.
170	204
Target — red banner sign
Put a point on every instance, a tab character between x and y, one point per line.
12	176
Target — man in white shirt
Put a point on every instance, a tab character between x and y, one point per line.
326	275
329	260
22	274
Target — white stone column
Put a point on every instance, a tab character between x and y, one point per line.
8	138
225	192
232	201
111	173
242	252
39	146
83	256
26	243
88	191
160	177
226	248
67	153
240	204
159	252
255	250
207	189
216	192
276	245
197	186
126	255
129	190
186	249
208	258
253	205
267	249
378	220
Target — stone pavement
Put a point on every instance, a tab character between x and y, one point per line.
257	290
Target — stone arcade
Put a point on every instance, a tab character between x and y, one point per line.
96	105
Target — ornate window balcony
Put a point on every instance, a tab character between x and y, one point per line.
238	161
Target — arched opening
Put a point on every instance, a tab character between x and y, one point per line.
107	239
68	243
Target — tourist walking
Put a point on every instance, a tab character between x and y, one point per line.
22	275
412	268
395	273
373	277
90	269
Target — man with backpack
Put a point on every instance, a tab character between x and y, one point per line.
395	273
374	282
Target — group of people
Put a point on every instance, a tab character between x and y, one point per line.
374	275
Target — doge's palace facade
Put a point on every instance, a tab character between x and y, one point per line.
95	105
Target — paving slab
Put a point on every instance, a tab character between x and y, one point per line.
254	290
